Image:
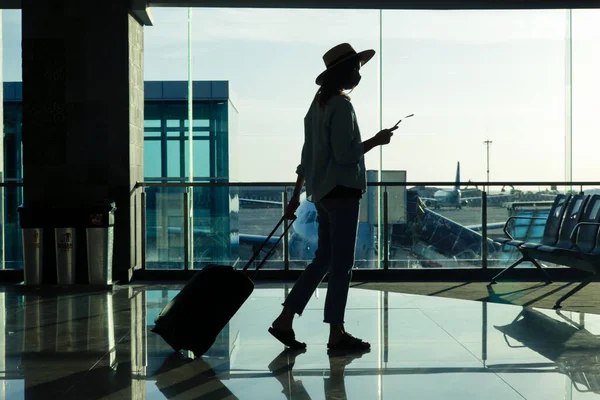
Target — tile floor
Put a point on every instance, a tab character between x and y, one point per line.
99	346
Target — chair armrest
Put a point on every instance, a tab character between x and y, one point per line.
516	217
576	229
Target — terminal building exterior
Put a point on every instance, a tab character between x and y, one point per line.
166	160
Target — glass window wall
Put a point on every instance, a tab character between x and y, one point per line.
498	95
523	81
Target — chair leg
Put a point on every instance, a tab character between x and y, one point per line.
549	278
493	281
571	293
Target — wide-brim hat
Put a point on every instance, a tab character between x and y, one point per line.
340	54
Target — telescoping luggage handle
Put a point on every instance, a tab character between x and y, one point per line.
257	252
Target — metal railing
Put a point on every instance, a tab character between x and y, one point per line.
383	260
12	183
581	184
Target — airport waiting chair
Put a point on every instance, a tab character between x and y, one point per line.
587	236
572	216
577	244
586	231
565	251
585	252
551	232
577	235
551	228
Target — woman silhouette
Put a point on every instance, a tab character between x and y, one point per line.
333	168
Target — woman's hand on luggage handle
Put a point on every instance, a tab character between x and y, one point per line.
292	206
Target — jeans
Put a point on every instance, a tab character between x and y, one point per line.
338	224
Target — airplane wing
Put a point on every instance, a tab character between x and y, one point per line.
268	202
247	239
176	230
490	226
489	196
257	240
429	200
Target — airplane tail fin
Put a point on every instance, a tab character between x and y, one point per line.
457	185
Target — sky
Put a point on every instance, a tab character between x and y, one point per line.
467	76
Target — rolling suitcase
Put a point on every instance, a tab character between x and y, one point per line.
196	316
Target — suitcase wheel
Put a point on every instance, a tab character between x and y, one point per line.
200	351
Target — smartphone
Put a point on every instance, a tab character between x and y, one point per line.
398	123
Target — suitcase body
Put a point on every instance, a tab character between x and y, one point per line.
194	318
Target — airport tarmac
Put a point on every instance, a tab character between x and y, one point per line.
260	221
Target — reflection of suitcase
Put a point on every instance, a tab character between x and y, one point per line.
196	379
194	318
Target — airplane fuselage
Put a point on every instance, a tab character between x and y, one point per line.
304	235
447	198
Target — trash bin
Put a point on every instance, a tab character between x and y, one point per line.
100	241
65	240
32	221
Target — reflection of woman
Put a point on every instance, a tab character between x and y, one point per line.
332	165
335	386
282	368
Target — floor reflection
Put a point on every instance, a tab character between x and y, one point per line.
574	350
282	368
195	378
99	346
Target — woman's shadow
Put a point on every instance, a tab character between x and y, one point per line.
282	369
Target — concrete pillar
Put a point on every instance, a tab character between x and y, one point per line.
2	220
83	113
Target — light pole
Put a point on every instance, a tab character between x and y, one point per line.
487	143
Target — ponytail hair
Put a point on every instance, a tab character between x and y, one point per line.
325	93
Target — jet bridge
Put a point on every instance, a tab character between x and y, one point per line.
435	240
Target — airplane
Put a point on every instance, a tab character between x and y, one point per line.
303	237
452	198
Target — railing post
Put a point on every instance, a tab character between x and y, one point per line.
484	322
484	244
286	241
386	328
186	230
143	223
386	256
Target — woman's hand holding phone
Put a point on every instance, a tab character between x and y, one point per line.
382	137
385	136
